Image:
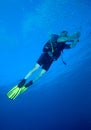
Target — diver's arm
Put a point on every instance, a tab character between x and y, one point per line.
67	39
72	38
74	43
63	39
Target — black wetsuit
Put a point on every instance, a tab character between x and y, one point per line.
47	57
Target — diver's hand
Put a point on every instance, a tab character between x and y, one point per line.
75	36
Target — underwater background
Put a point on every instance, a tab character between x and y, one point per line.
61	99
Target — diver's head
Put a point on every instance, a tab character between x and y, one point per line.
64	33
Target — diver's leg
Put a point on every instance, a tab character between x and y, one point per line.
32	70
43	71
23	81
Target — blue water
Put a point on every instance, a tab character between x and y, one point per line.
61	99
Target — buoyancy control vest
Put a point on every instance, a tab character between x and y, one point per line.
53	47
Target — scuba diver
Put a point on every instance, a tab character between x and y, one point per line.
51	52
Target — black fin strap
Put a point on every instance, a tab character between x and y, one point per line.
29	83
21	83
